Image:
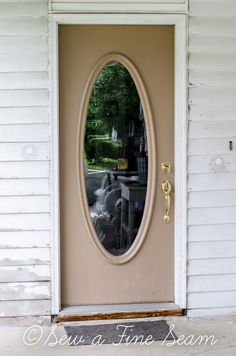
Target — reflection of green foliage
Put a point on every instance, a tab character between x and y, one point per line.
114	100
113	103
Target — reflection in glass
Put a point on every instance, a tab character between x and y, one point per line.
115	155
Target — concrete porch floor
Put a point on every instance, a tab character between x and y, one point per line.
223	329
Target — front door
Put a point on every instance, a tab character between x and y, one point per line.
116	130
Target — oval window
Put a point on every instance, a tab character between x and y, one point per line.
115	158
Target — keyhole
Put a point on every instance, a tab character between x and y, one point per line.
231	145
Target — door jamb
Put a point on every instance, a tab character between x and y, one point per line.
180	238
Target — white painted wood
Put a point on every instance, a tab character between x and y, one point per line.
180	133
211	312
24	133
24	291
206	164
173	6
213	249
24	115
19	321
16	44
212	266
211	283
24	97
24	80
215	181
216	146
204	112
212	300
29	273
25	8
212	199
24	308
25	221
24	169
212	232
202	129
21	239
211	26
23	26
18	151
14	187
24	256
201	216
204	8
25	204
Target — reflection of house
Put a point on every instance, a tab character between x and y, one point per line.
28	227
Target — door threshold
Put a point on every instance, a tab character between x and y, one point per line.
117	311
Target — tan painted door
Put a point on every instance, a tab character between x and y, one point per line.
87	277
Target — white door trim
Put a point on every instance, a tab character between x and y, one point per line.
180	23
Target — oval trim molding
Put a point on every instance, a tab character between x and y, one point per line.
151	183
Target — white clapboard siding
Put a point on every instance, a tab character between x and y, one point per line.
212	186
24	256
15	187
22	239
24	115
25	204
24	308
73	6
24	291
222	198
16	44
214	266
24	80
206	164
29	273
208	283
24	169
24	133
212	232
214	249
18	151
25	221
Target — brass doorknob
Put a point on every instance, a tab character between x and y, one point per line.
166	190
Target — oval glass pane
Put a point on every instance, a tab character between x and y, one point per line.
115	158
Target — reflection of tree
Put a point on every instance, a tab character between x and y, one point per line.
114	107
114	100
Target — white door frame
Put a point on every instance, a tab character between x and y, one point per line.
180	240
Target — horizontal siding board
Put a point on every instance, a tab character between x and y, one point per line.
24	80
23	26
207	164
24	239
24	291
210	182
202	216
212	232
215	249
203	146
25	204
210	95
203	43
216	112
211	283
204	8
24	256
32	273
212	199
24	115
17	151
25	97
25	8
208	129
23	62
24	133
16	44
211	266
14	187
220	27
25	221
24	308
30	169
212	300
